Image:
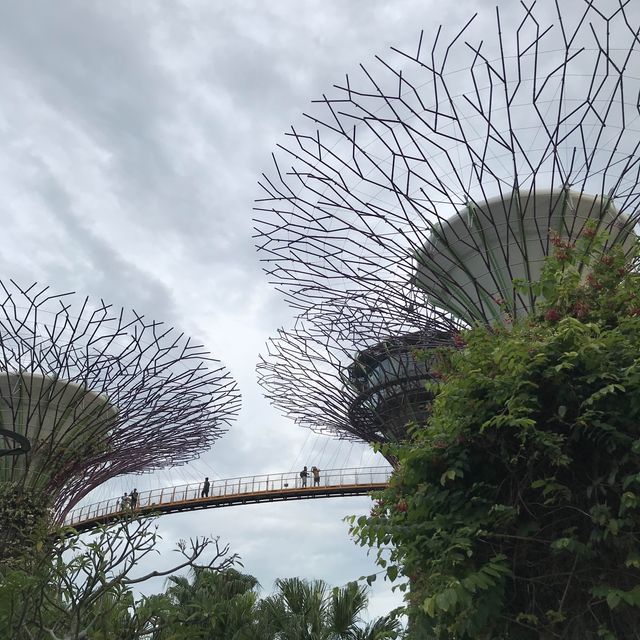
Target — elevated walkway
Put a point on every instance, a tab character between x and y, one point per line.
225	493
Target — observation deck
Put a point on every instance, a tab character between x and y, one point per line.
390	379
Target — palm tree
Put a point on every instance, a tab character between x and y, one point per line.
307	610
212	604
385	628
225	606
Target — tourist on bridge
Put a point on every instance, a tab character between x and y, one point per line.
304	474
316	476
134	498
124	501
205	488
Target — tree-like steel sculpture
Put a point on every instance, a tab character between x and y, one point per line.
445	168
349	390
90	393
432	182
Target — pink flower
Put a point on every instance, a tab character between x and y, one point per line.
458	341
552	315
580	309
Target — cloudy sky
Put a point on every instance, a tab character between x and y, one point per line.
133	134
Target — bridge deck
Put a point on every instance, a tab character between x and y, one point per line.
232	491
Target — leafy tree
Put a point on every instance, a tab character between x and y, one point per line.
24	520
213	604
515	512
79	587
225	605
308	610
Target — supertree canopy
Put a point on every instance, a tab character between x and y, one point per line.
331	386
430	182
88	393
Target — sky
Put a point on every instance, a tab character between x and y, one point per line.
133	135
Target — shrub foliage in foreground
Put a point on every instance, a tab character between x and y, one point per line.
515	512
68	586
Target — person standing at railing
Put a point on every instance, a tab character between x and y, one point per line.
124	501
304	474
316	476
205	488
134	498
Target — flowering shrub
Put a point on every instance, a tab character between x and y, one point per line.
515	512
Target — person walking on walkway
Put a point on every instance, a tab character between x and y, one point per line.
205	488
316	476
134	498
304	474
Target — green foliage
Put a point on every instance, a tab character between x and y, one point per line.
226	606
24	520
221	605
80	587
515	512
309	610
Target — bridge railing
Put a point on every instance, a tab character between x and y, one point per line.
276	482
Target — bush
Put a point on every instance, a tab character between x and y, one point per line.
24	518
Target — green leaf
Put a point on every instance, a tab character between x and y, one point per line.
429	606
613	599
633	560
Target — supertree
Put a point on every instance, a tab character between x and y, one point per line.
429	184
347	389
88	392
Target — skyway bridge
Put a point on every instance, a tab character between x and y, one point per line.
231	491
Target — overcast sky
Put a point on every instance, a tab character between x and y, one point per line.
133	135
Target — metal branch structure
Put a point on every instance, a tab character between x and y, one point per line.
423	187
337	388
90	393
444	168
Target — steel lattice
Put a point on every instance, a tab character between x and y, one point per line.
423	187
99	392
